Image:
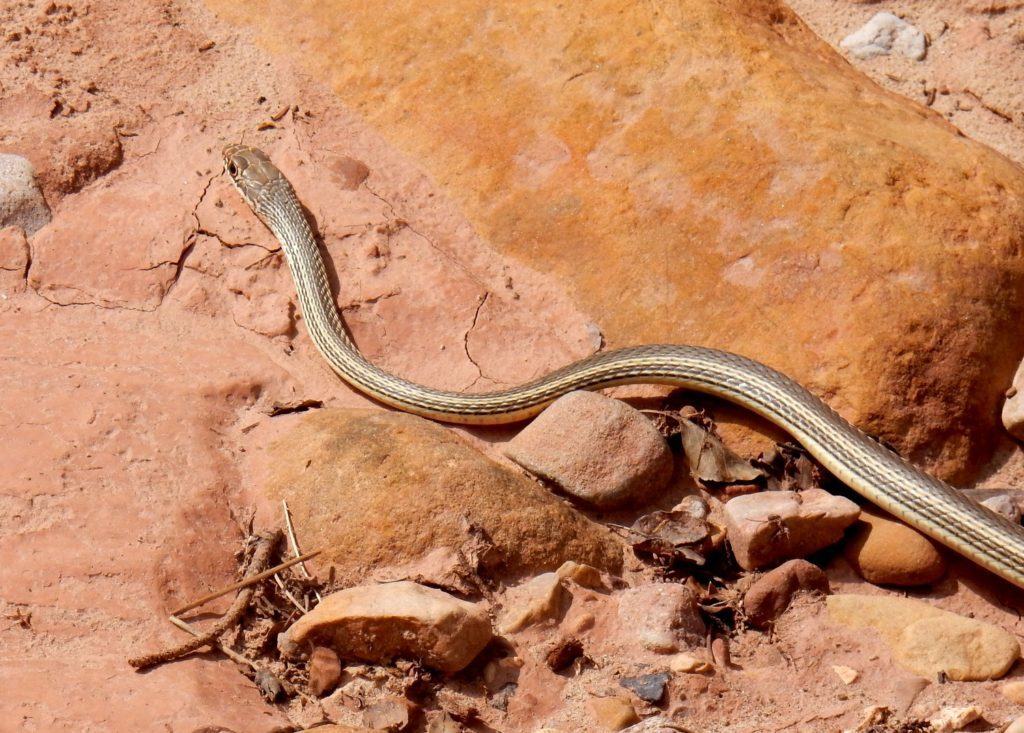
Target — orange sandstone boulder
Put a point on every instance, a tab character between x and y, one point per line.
711	173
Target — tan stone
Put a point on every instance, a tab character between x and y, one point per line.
535	600
378	489
613	713
665	160
597	449
769	526
377	623
1013	691
927	640
660	617
885	551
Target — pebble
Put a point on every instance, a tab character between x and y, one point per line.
949	720
613	713
883	34
770	526
324	670
885	551
648	687
689	664
391	713
847	674
770	595
661	617
1013	407
927	640
21	202
1013	691
540	598
376	623
596	449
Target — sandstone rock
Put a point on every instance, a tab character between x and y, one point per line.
595	448
847	674
769	526
770	595
377	623
1013	691
885	551
660	617
550	170
689	664
21	202
540	598
927	640
613	713
949	720
883	34
324	670
382	489
1013	407
392	714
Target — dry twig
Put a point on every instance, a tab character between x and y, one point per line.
260	556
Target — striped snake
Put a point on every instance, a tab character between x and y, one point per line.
884	478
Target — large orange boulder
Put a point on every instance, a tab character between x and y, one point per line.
710	173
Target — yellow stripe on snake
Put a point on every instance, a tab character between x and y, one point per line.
925	503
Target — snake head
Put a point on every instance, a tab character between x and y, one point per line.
251	172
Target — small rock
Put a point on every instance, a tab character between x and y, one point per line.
377	623
501	672
582	575
21	202
953	719
720	652
769	526
540	598
1008	502
884	33
324	670
885	551
847	674
1003	504
661	617
1013	691
648	687
613	713
1013	407
689	664
771	594
391	713
927	640
596	449
269	685
905	691
444	723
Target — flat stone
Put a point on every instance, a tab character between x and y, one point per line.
377	623
885	551
538	599
648	687
324	670
379	490
597	449
769	526
21	202
613	713
927	640
770	595
660	617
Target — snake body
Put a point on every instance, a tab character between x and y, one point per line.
878	474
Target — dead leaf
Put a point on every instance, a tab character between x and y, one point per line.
708	458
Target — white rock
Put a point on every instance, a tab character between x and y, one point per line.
21	202
883	34
1003	504
953	719
1013	407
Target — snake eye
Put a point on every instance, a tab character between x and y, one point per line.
232	169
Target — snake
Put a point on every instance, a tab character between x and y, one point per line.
863	464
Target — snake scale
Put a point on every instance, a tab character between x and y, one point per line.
878	474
